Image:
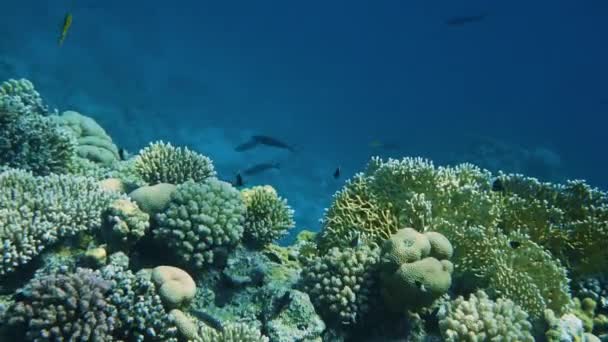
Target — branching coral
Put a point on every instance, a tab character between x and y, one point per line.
201	220
268	216
35	212
66	307
570	220
459	202
233	333
162	163
481	319
28	139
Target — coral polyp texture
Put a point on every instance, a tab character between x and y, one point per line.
463	204
482	319
201	221
29	139
161	162
414	269
342	283
36	212
96	245
268	216
66	307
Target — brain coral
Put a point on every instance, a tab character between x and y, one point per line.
66	307
202	220
29	140
414	269
482	319
342	283
268	216
162	163
175	286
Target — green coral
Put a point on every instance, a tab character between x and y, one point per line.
162	163
201	220
36	212
570	220
268	216
28	139
414	269
342	283
481	319
458	202
235	332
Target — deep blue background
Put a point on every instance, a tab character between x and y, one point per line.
329	77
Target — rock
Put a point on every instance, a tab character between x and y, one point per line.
296	320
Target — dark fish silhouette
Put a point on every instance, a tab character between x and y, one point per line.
238	181
248	145
123	154
256	140
498	186
259	168
337	173
464	20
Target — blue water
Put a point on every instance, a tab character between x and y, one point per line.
329	77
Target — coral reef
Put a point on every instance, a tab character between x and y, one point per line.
268	216
481	319
414	269
342	283
162	163
202	221
72	307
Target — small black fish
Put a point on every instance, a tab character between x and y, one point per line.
208	319
122	154
514	244
238	181
497	185
464	20
259	168
337	173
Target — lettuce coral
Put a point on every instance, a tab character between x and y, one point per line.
201	220
163	163
268	216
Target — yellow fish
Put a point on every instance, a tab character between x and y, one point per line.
67	22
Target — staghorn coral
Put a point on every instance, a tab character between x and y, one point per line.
268	216
342	283
65	307
481	319
24	92
162	163
414	269
202	220
36	212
